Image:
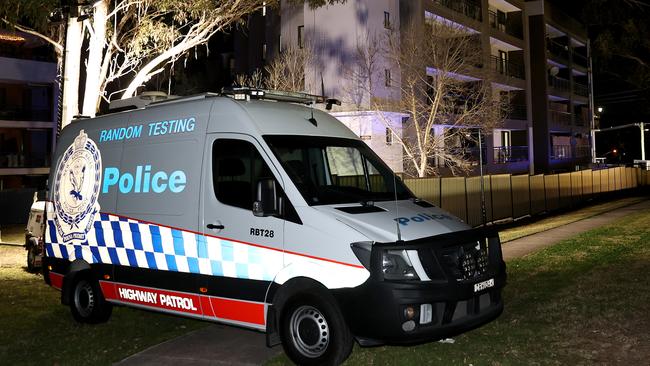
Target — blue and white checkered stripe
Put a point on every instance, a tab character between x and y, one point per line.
121	241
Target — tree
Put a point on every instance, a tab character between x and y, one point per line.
437	72
286	72
125	39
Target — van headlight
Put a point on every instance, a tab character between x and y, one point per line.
396	265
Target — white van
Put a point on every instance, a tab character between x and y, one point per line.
262	214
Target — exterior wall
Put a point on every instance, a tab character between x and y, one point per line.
371	128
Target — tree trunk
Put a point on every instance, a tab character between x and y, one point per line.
71	71
95	58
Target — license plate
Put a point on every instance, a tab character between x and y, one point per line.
483	285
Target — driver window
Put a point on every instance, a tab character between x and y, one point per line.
237	166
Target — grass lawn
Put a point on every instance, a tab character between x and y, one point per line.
583	301
36	329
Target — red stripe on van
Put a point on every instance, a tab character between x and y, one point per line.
238	241
56	280
169	300
242	311
183	302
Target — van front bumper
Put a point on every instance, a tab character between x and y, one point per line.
406	312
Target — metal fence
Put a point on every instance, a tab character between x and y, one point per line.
514	196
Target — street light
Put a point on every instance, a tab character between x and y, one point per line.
600	109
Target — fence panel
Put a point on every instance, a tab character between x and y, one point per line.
565	189
552	192
501	196
576	187
612	179
587	183
537	194
630	177
473	186
520	195
596	181
426	188
454	196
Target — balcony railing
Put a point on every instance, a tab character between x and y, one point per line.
580	120
583	151
559	117
517	111
561	152
23	161
580	59
507	67
510	154
469	8
559	83
581	89
503	26
557	49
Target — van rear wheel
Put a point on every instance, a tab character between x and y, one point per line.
87	303
314	331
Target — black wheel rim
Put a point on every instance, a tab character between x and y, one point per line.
84	298
309	331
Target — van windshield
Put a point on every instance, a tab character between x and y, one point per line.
330	170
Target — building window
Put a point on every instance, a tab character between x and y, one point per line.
389	136
301	37
386	20
387	77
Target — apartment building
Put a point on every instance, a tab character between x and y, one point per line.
536	55
27	110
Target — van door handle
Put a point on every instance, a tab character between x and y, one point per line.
215	227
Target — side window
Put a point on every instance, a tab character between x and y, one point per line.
236	168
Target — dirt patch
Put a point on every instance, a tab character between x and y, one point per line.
12	234
12	256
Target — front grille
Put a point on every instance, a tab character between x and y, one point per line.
466	262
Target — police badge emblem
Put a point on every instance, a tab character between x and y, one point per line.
76	189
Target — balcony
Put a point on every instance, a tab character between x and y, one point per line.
517	111
557	49
561	152
510	154
507	67
583	151
579	59
559	117
468	8
23	161
559	84
504	26
581	89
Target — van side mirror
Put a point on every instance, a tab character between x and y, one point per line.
266	202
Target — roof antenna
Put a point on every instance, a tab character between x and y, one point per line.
312	119
399	232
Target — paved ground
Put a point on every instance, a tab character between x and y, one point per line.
215	345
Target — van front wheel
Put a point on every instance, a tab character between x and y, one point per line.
314	331
87	303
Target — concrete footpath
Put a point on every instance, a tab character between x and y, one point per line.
221	345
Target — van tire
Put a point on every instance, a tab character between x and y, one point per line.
87	302
314	332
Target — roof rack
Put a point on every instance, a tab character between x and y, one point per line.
246	93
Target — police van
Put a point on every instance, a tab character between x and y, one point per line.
254	209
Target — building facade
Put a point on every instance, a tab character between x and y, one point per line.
28	95
537	58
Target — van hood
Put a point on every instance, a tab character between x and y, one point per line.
379	222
